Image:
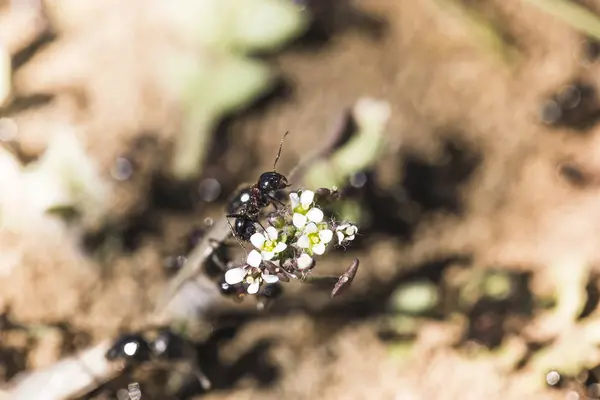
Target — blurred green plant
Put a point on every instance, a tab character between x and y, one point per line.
362	151
481	29
64	178
415	298
575	15
221	77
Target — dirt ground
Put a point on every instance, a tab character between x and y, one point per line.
473	180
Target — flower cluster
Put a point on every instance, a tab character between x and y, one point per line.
288	247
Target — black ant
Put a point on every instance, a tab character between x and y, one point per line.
131	347
135	348
251	200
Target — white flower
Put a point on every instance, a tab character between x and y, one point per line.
250	274
305	262
236	275
346	233
254	259
268	244
303	212
315	239
302	202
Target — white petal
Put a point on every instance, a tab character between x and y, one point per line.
340	237
254	258
270	278
305	261
326	235
306	198
349	238
315	215
304	242
272	233
299	220
310	228
258	240
235	275
342	227
318	248
253	288
280	247
267	255
295	200
351	230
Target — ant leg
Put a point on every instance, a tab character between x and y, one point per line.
234	215
261	225
189	365
219	263
202	379
273	199
235	236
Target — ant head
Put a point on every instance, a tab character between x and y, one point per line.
270	181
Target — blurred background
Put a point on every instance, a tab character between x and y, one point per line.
463	134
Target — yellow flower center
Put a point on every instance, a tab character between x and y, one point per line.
314	238
300	210
269	245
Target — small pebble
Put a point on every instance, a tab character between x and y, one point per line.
134	391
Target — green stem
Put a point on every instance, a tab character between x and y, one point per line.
191	145
573	14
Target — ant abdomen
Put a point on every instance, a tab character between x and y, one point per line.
244	228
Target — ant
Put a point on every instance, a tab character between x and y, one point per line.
134	348
251	200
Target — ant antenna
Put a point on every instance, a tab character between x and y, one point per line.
279	152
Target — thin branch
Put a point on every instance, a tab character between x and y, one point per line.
66	378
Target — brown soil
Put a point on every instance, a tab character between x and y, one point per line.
472	178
